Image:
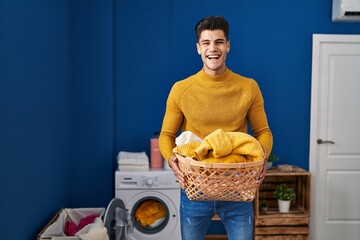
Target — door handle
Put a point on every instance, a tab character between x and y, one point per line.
320	141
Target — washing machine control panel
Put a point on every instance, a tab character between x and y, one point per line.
151	179
157	181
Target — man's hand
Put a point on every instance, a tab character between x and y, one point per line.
174	165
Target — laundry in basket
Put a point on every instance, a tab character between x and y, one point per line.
93	231
224	166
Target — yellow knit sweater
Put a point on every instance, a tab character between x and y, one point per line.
203	103
222	147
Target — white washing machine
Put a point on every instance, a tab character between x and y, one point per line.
153	200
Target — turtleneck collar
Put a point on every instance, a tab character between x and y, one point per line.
214	78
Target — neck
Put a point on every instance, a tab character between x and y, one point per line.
210	78
215	72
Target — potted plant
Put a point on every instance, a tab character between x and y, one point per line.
264	206
272	158
284	195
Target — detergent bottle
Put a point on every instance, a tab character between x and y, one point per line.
156	159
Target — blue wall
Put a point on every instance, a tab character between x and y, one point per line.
35	116
82	79
271	41
56	110
92	102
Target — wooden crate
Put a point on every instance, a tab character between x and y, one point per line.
276	225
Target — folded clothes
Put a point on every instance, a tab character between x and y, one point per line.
224	147
132	158
125	167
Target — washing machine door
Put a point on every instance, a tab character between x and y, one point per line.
150	215
118	221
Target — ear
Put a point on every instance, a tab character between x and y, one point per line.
228	46
198	48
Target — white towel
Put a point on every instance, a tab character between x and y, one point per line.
187	137
132	158
94	231
133	167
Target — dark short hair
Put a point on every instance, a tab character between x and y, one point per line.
212	23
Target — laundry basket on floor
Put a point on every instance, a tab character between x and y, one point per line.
116	225
220	181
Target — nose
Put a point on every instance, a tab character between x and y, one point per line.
213	48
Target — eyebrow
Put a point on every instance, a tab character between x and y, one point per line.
216	40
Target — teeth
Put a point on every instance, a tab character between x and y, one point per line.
213	56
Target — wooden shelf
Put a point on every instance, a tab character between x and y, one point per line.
276	225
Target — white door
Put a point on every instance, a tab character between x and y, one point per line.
335	137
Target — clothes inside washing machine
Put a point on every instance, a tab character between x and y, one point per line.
150	215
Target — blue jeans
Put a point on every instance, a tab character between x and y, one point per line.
195	217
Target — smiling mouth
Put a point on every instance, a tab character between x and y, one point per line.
211	57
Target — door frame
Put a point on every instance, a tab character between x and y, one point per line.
319	39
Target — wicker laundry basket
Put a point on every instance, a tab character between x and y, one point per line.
220	181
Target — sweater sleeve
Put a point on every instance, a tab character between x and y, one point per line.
258	121
171	123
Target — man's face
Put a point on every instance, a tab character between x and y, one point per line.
213	47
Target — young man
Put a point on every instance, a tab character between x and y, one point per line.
213	98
